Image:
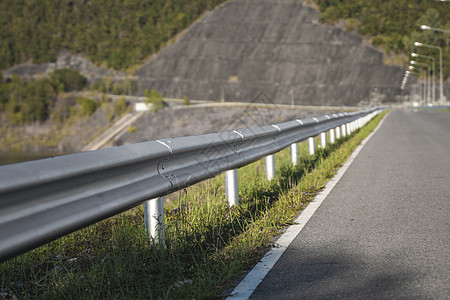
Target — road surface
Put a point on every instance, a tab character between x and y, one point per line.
384	230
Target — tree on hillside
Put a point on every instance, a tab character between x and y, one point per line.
119	33
393	25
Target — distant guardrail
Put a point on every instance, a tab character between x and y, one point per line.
45	199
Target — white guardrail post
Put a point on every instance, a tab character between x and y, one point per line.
270	166
154	219
232	187
338	132
312	145
294	153
323	140
38	198
332	137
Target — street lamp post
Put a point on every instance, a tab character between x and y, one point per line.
426	27
424	85
434	72
441	90
405	80
413	62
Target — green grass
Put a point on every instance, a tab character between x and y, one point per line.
208	244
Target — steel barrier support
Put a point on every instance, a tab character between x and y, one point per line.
312	145
344	130
35	209
294	153
338	132
323	140
332	137
270	166
154	219
232	187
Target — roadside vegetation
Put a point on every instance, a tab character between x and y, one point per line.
37	114
117	34
154	99
208	245
33	101
28	101
393	25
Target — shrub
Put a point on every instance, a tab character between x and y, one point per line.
155	99
68	80
87	106
186	100
120	106
29	101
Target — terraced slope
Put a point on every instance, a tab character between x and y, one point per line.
245	47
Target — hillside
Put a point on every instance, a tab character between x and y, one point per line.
279	47
393	25
116	33
122	34
232	53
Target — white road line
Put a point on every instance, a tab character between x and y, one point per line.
247	286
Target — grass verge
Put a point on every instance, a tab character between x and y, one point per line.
208	244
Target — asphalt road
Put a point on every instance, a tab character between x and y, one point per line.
384	230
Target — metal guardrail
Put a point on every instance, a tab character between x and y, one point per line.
46	199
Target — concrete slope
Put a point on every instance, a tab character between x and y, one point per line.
384	231
245	47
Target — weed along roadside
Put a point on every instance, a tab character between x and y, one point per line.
208	243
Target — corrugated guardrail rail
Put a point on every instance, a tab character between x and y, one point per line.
46	199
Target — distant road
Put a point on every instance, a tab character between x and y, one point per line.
384	230
121	125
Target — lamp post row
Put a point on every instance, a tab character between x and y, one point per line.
418	44
434	72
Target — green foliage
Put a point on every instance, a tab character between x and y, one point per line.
132	129
118	33
68	80
4	93
87	106
186	100
120	106
28	101
33	101
127	86
155	99
208	244
394	25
